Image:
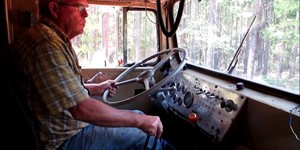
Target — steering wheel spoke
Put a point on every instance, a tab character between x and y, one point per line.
125	82
147	84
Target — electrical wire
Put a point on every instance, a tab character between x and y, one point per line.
146	10
290	122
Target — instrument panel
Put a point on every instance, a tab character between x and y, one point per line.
207	106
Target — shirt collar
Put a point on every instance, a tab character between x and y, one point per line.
54	27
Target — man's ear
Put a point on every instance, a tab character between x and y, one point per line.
53	9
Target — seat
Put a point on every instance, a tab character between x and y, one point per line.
20	128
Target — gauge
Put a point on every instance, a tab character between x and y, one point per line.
179	101
178	86
174	98
184	89
188	99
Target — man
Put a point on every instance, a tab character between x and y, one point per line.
67	117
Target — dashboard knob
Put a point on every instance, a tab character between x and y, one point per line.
239	85
223	104
193	118
228	105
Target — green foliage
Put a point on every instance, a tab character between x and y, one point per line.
284	83
219	28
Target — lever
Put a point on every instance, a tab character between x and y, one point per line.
166	89
93	77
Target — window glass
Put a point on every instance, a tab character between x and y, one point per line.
142	35
102	43
212	33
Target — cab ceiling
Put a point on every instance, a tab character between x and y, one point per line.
129	3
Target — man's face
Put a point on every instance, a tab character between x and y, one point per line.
71	16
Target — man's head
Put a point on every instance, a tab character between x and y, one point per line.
68	15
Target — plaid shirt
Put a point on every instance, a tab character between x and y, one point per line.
52	81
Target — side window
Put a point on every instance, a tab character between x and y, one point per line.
212	32
114	35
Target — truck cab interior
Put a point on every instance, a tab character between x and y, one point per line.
159	53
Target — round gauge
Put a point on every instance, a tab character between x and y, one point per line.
188	99
174	98
184	89
178	86
179	101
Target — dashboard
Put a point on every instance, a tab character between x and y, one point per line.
209	107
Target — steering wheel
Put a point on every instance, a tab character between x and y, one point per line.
147	77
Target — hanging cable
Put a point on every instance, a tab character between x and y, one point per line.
290	122
177	21
146	10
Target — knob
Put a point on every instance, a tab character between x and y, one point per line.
228	105
239	85
193	118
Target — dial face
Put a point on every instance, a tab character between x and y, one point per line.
179	101
184	89
188	99
178	86
174	98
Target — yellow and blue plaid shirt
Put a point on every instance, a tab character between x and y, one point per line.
52	80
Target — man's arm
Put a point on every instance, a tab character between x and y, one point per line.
95	112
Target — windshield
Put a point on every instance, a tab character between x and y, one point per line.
212	33
114	36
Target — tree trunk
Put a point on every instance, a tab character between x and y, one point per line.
253	38
246	50
105	30
260	50
294	53
268	13
213	20
138	51
252	49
